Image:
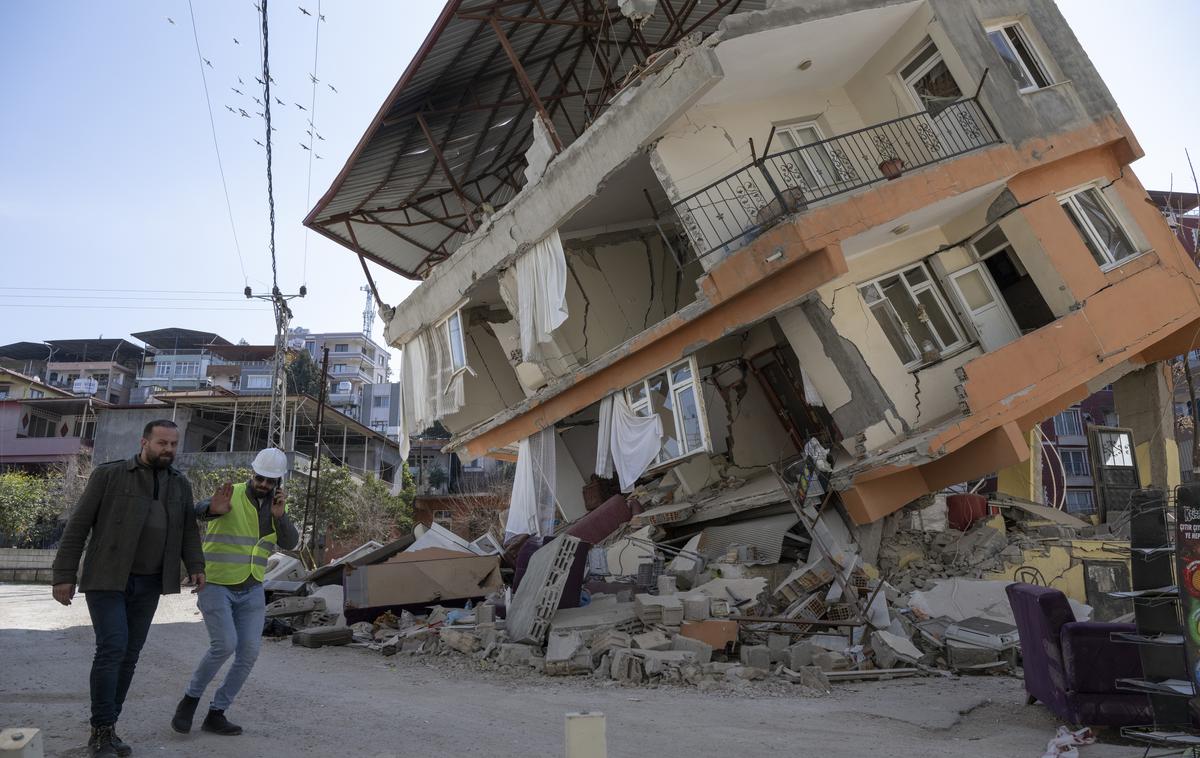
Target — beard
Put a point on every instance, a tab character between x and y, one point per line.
159	461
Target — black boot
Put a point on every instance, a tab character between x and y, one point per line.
120	745
216	723
184	713
100	743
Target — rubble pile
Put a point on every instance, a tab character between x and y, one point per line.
752	581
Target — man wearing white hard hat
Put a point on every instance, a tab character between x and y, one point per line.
245	523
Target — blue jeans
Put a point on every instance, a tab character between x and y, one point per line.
235	624
121	621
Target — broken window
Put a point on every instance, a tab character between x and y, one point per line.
674	396
453	331
930	80
1019	57
913	315
1102	232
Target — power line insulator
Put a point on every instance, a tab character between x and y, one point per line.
247	292
303	290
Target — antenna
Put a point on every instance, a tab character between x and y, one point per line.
368	312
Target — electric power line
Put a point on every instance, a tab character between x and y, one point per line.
102	289
134	297
266	70
213	125
311	132
128	307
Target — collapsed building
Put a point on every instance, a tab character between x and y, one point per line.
908	230
763	262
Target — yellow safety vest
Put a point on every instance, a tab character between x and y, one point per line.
233	549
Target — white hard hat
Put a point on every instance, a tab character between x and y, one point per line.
271	463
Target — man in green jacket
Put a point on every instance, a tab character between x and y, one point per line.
136	518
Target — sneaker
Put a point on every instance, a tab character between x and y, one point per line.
100	743
184	713
120	745
216	723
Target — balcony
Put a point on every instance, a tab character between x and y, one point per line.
735	209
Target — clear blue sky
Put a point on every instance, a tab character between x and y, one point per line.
108	178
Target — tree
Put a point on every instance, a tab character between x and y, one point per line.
437	476
303	375
354	508
29	509
206	479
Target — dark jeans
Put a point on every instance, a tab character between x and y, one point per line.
121	621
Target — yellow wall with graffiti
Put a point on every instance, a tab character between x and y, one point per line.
1061	565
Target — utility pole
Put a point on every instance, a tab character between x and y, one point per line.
307	551
277	420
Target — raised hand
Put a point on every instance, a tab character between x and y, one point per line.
222	500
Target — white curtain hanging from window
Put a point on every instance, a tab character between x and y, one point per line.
541	293
534	505
626	441
430	388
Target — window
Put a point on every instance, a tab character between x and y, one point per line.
442	515
913	315
1018	55
1075	462
380	401
5	389
39	426
1068	423
674	395
341	348
1103	234
35	394
339	368
187	368
380	426
813	165
258	382
930	81
454	337
164	369
1080	501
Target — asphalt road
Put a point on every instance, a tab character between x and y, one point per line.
353	702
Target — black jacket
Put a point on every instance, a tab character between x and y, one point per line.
109	519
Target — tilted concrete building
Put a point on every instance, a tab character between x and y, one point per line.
906	229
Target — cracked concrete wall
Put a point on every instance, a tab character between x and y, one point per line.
492	388
617	287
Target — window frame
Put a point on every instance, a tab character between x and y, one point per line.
675	389
806	155
1058	432
447	333
931	284
1092	239
250	384
1091	498
1030	74
1075	454
341	347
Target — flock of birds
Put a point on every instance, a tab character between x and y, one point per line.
242	113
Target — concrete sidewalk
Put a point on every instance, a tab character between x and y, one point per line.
348	701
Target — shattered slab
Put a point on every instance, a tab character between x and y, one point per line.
536	601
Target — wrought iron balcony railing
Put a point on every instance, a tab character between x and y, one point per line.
733	210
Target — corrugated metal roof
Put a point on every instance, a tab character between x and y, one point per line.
393	203
765	534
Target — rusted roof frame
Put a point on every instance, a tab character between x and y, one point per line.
592	31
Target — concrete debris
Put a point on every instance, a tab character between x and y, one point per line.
930	601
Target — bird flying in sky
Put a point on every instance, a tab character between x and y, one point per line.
170	21
303	145
235	41
207	62
330	86
235	89
302	10
301	107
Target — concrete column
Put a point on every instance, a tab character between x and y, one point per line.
1145	405
1024	480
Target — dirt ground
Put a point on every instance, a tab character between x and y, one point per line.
350	701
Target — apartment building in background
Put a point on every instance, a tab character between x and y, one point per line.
101	368
355	361
175	359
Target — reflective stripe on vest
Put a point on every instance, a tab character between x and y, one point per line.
233	550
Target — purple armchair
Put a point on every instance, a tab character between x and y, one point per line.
1072	666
